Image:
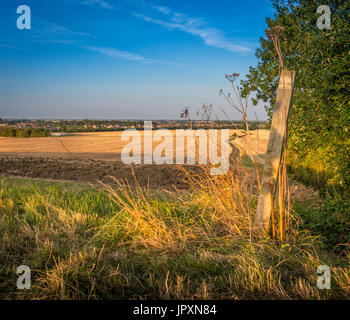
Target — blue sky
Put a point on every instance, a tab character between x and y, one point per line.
121	59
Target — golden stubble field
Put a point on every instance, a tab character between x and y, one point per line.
101	145
95	156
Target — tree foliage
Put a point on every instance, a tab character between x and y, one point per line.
23	133
320	115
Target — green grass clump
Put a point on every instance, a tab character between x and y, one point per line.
129	243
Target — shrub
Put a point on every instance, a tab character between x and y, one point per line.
330	220
23	133
40	132
8	131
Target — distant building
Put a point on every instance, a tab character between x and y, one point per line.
24	125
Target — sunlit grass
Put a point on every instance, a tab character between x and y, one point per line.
123	242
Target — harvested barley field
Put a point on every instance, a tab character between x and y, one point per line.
96	157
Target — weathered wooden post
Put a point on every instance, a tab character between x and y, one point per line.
274	148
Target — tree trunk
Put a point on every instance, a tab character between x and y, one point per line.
274	149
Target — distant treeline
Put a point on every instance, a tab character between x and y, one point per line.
23	133
184	125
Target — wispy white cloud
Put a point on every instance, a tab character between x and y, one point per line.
49	32
101	3
162	9
10	46
45	28
125	55
115	53
196	26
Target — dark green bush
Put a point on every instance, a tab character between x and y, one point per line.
40	132
23	133
8	131
330	220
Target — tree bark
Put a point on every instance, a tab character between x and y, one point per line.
274	149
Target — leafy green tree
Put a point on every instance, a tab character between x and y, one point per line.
319	123
23	133
40	132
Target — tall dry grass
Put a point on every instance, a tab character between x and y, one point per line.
130	242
